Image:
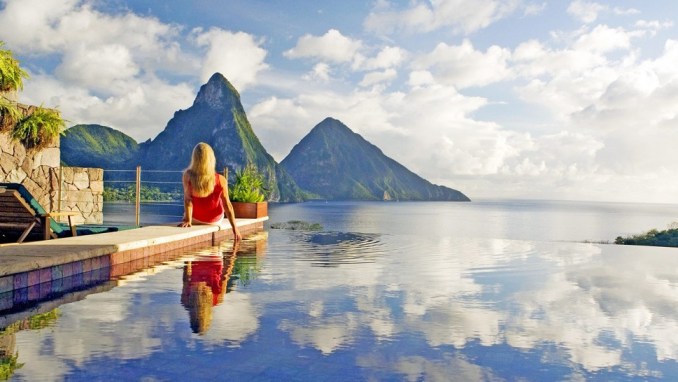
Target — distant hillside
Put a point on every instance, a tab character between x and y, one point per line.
97	146
337	164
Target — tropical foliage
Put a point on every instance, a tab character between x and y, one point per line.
11	74
248	186
39	129
9	113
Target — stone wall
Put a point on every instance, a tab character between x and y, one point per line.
39	172
82	189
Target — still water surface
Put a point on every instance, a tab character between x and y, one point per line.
388	291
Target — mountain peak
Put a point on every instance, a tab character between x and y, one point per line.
330	122
217	93
336	163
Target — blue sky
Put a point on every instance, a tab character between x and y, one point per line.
497	98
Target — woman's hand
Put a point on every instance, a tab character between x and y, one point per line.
185	224
236	236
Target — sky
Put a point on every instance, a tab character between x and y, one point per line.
527	99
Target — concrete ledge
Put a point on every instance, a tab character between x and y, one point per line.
121	246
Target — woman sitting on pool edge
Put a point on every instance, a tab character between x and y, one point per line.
206	192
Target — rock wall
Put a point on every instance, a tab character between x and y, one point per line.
82	189
39	172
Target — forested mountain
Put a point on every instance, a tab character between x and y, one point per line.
331	162
335	163
98	146
216	117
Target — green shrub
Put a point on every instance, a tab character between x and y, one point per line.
11	74
9	113
39	129
654	237
248	186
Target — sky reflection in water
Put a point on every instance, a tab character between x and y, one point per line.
349	305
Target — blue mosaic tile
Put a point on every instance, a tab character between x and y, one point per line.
6	300
67	270
77	267
6	284
45	275
45	290
67	284
57	272
20	296
77	280
58	285
20	280
34	292
87	278
33	277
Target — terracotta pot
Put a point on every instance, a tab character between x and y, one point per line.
250	210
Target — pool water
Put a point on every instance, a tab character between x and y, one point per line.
383	292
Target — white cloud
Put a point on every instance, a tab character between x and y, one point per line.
111	68
388	57
423	16
374	78
462	66
534	9
332	46
653	26
586	11
140	108
99	67
321	71
604	39
238	56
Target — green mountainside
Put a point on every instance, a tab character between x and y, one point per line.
218	118
335	163
331	162
96	146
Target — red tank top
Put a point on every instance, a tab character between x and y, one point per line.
209	209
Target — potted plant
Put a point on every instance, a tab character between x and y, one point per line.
39	129
247	194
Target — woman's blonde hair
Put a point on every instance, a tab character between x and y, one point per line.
202	169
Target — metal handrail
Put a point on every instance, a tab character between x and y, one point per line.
137	189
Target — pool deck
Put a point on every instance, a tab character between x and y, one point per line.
33	263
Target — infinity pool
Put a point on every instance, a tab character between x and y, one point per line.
338	305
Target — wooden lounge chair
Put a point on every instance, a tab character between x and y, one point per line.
20	211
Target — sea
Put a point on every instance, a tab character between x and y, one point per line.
490	290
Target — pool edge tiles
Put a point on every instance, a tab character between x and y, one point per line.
61	260
117	247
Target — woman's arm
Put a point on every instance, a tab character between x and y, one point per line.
188	202
228	207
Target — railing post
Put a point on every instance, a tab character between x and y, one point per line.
137	207
61	182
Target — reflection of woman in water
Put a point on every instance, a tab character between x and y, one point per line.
204	286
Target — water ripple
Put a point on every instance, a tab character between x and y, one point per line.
330	249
